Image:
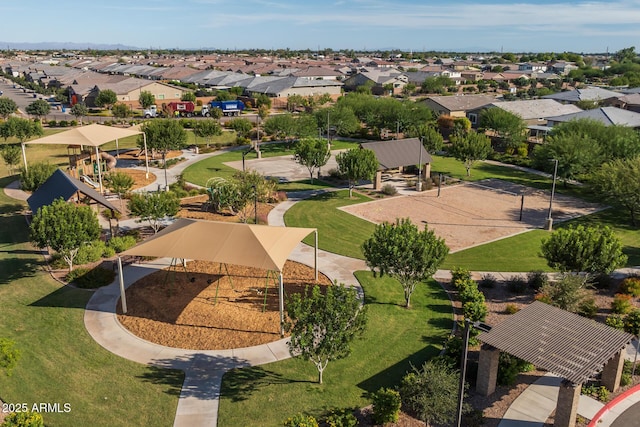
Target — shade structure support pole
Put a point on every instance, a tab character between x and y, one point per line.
315	256
99	170
146	155
123	297
24	156
266	288
117	150
226	269
281	298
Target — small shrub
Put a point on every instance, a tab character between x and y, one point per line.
23	419
52	123
631	286
598	392
64	123
511	309
300	420
342	418
588	308
9	355
35	175
621	304
389	190
109	214
473	418
386	406
517	285
537	279
335	173
91	279
615	321
92	252
122	243
73	123
488	280
459	275
509	367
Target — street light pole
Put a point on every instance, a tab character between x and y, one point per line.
549	222
463	369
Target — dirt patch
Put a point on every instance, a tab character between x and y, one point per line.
196	208
467	215
211	307
139	177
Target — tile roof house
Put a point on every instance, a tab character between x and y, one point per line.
587	94
458	105
533	111
609	116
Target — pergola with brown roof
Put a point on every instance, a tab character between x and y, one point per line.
398	153
261	246
566	344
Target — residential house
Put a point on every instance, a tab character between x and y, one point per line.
587	94
609	116
532	111
458	105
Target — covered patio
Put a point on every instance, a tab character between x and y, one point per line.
259	246
93	135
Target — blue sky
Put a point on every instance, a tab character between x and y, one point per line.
516	26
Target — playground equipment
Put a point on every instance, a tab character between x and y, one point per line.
83	165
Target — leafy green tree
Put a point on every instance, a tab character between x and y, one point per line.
313	153
432	392
618	182
241	126
79	111
35	175
281	126
121	111
64	227
188	96
11	156
9	355
322	326
24	129
584	249
146	99
294	102
163	135
626	54
404	253
576	155
7	107
120	183
263	100
153	207
106	98
207	129
305	126
432	140
6	131
509	128
224	95
471	148
437	84
38	108
357	164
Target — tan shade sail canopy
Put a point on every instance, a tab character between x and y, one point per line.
94	135
250	245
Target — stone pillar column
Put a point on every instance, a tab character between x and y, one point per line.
377	183
612	372
567	405
427	170
487	370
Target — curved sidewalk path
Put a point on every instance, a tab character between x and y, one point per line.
198	402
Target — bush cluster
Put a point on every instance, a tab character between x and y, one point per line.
301	420
389	190
122	243
23	419
631	286
91	278
341	418
509	367
92	252
621	304
35	175
386	406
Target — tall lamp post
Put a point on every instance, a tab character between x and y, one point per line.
463	364
549	223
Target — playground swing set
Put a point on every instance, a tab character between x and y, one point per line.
173	269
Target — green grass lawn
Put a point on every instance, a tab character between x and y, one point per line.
338	231
60	362
200	172
395	339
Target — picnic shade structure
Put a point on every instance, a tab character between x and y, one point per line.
93	135
260	246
